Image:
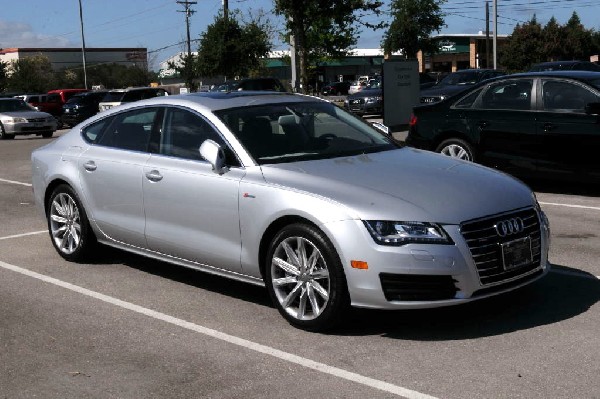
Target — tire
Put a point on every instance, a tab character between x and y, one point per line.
4	135
457	148
47	135
305	278
69	228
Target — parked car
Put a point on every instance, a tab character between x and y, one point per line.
19	118
457	82
335	88
357	86
367	101
251	84
539	124
81	106
293	193
132	94
565	66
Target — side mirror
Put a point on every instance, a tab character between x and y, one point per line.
592	108
215	155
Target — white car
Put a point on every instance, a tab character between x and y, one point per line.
19	118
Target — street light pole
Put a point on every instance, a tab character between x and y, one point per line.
83	45
495	33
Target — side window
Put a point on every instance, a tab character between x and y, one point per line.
131	130
132	95
566	96
93	132
468	101
510	94
183	134
53	98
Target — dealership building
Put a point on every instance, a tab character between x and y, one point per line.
61	58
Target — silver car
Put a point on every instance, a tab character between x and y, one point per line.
19	118
293	193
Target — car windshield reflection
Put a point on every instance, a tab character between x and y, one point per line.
279	133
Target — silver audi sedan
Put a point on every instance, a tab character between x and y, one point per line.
293	193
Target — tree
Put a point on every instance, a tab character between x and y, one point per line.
553	41
412	25
3	76
324	28
232	48
31	75
524	47
577	39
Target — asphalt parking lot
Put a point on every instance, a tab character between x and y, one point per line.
129	327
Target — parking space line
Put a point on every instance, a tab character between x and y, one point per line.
570	205
288	357
15	182
24	235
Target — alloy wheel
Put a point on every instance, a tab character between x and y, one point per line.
65	223
300	278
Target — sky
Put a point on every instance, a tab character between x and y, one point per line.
158	26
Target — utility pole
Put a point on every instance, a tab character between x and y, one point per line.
188	61
83	45
226	9
495	33
487	34
188	13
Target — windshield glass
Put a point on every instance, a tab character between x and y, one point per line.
595	83
113	96
287	132
15	106
462	78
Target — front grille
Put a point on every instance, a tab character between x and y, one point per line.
485	245
36	120
410	287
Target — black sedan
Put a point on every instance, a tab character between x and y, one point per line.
457	82
335	89
544	125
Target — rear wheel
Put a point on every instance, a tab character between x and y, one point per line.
68	224
47	135
305	278
457	148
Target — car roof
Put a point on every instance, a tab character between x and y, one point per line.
134	89
215	101
580	75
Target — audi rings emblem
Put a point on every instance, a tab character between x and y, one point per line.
509	227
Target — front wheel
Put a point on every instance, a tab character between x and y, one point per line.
68	225
305	278
47	135
457	148
4	135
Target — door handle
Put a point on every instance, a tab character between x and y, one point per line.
483	124
90	166
154	175
548	126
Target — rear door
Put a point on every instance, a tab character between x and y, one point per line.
505	123
570	137
111	173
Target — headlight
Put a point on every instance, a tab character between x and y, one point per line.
14	120
370	100
400	233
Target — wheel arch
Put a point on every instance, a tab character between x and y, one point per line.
272	230
454	134
50	189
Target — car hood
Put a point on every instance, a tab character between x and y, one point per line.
366	93
407	184
26	114
445	90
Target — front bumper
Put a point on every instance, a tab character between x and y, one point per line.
23	128
362	107
427	275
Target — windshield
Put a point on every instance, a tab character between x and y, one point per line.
461	78
14	106
113	96
595	83
287	132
